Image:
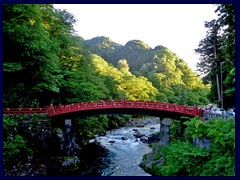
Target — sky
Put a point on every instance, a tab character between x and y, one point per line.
179	27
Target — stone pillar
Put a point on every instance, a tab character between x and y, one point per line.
165	131
68	136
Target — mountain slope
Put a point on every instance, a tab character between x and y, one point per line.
163	68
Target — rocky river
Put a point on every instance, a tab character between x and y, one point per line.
116	153
120	151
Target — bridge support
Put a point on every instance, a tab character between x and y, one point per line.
165	131
68	136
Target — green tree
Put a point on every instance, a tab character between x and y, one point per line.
33	64
216	48
15	149
123	65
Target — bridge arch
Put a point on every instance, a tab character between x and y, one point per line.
160	109
151	108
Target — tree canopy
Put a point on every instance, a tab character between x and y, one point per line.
169	74
46	62
218	49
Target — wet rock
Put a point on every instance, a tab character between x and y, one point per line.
153	139
144	139
102	133
124	138
140	125
70	163
138	135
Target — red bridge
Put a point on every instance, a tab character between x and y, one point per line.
110	106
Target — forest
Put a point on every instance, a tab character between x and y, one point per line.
45	61
51	64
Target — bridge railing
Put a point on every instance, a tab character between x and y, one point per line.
107	104
123	104
19	111
87	105
162	106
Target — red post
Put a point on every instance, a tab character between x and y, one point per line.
195	110
51	109
123	100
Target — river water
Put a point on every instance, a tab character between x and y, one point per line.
118	153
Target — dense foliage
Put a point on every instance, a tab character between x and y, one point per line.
182	158
52	64
22	144
174	81
218	49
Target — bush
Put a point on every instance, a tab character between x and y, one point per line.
182	158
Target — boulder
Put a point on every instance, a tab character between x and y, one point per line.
70	163
124	138
144	139
153	139
138	135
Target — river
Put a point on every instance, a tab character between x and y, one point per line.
118	153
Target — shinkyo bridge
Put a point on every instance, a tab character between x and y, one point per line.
111	106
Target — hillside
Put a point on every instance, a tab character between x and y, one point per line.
168	73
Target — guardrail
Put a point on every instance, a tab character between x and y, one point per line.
19	111
214	115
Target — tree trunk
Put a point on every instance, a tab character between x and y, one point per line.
218	87
217	77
